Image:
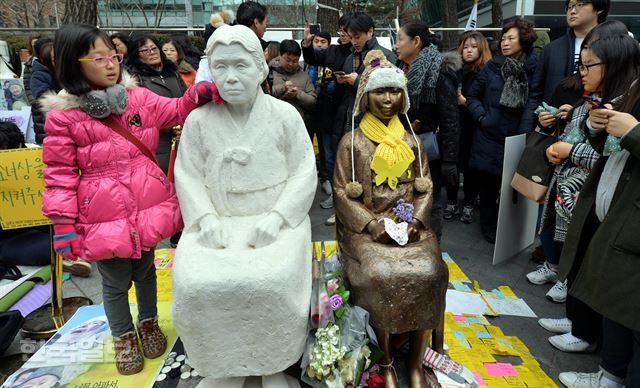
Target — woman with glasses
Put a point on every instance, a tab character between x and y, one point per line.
157	73
497	100
602	249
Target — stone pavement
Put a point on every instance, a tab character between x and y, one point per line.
467	247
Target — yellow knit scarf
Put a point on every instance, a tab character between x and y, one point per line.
393	156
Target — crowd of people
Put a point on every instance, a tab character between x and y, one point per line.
463	105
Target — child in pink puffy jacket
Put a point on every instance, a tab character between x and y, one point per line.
110	202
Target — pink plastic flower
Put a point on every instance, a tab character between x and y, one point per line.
332	286
336	302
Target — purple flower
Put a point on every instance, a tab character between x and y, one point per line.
335	302
375	62
404	211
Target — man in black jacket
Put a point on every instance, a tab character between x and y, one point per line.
332	59
253	15
560	57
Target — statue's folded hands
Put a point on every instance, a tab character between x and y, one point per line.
212	232
267	230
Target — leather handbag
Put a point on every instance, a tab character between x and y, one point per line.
534	172
431	147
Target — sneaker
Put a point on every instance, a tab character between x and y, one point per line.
154	342
467	214
326	187
77	267
570	344
558	293
450	211
544	274
559	326
327	203
129	358
331	220
581	380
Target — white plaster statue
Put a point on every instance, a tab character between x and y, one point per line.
246	178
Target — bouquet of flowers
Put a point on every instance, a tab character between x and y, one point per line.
343	349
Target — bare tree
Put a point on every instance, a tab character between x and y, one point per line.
496	16
449	9
80	11
328	18
27	13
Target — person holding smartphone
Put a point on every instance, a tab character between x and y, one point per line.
327	121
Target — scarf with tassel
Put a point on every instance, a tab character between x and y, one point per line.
393	156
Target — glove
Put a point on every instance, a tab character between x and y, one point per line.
207	92
450	173
65	241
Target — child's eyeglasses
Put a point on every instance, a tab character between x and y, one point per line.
102	61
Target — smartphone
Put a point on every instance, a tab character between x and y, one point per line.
314	29
339	73
595	103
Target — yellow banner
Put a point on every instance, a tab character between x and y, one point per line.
21	188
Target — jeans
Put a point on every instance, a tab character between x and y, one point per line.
117	275
329	155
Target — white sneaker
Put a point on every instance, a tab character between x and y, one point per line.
558	293
331	220
559	326
77	267
327	203
544	274
570	344
581	380
326	187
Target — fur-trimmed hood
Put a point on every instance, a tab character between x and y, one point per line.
451	62
65	101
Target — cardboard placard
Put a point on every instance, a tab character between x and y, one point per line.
21	188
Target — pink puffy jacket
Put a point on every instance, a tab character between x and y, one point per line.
119	200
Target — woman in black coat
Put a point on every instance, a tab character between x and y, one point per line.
41	81
475	52
155	72
433	90
496	101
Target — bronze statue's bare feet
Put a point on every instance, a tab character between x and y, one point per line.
390	378
416	377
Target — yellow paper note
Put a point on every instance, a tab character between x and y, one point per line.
495	331
515	382
507	291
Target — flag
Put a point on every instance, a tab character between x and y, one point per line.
473	18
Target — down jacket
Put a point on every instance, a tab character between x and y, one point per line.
119	200
496	122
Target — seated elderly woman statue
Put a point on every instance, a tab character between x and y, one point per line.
246	178
382	197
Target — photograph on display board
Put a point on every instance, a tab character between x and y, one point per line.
15	97
81	354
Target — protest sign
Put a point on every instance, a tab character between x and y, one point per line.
21	188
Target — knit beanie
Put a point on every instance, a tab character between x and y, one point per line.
380	73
